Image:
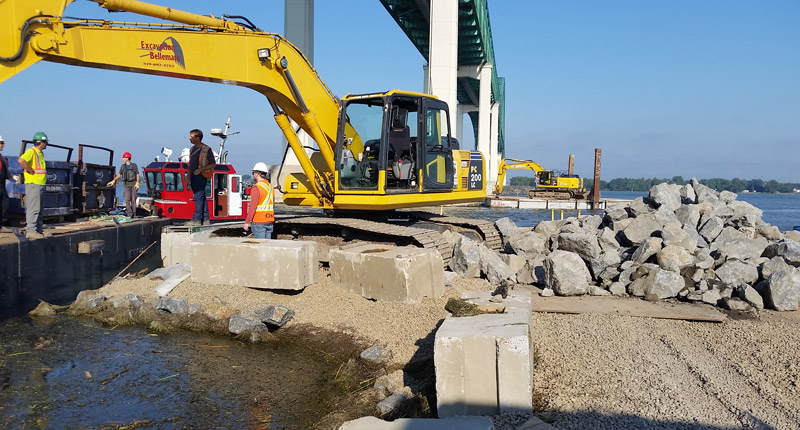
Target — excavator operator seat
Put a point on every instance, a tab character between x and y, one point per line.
400	144
399	135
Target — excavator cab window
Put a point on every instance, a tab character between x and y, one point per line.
438	156
360	156
402	144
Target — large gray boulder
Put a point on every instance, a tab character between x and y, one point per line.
750	295
734	244
665	195
744	214
566	273
673	234
239	324
583	244
639	206
528	244
772	265
704	193
616	212
607	240
789	250
494	267
735	272
711	228
641	228
664	284
549	228
674	258
647	249
687	194
781	291
507	228
688	215
466	259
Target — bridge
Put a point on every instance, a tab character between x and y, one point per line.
455	38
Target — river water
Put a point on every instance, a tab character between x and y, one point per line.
74	373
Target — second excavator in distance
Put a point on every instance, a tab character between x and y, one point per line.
549	183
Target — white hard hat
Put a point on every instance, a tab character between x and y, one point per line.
1	139
260	167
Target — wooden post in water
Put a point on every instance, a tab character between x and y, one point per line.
596	184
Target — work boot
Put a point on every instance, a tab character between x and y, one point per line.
34	236
6	230
192	223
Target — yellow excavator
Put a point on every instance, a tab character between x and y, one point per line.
548	183
374	152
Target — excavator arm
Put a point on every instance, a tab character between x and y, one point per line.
511	163
202	48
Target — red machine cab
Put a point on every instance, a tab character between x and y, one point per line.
169	186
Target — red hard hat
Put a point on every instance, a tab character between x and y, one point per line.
126	155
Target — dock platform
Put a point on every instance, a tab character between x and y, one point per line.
77	256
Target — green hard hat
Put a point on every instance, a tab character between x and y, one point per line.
39	136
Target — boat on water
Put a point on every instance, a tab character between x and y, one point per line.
169	192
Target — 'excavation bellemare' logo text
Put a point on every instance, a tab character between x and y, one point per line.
164	54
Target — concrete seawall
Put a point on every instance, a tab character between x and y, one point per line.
77	257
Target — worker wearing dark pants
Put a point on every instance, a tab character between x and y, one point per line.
201	168
129	173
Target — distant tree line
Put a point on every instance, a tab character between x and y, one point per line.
735	185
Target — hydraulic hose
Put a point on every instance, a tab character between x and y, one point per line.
23	37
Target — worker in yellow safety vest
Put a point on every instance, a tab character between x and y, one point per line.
260	214
35	167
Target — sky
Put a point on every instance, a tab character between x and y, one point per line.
671	88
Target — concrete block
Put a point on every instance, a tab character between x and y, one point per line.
497	203
484	363
454	423
532	204
560	204
175	246
255	263
390	273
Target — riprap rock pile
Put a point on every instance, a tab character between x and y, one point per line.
689	241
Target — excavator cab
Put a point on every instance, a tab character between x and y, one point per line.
407	144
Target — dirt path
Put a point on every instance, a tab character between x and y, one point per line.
603	371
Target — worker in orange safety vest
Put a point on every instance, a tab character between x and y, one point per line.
261	214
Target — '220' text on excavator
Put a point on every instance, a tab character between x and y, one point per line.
376	152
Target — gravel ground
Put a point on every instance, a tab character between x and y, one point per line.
591	371
617	372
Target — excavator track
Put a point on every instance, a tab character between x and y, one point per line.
399	234
487	230
423	238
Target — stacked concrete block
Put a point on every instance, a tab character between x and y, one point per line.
388	273
484	363
255	263
175	242
454	423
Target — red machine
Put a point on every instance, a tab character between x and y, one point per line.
169	186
